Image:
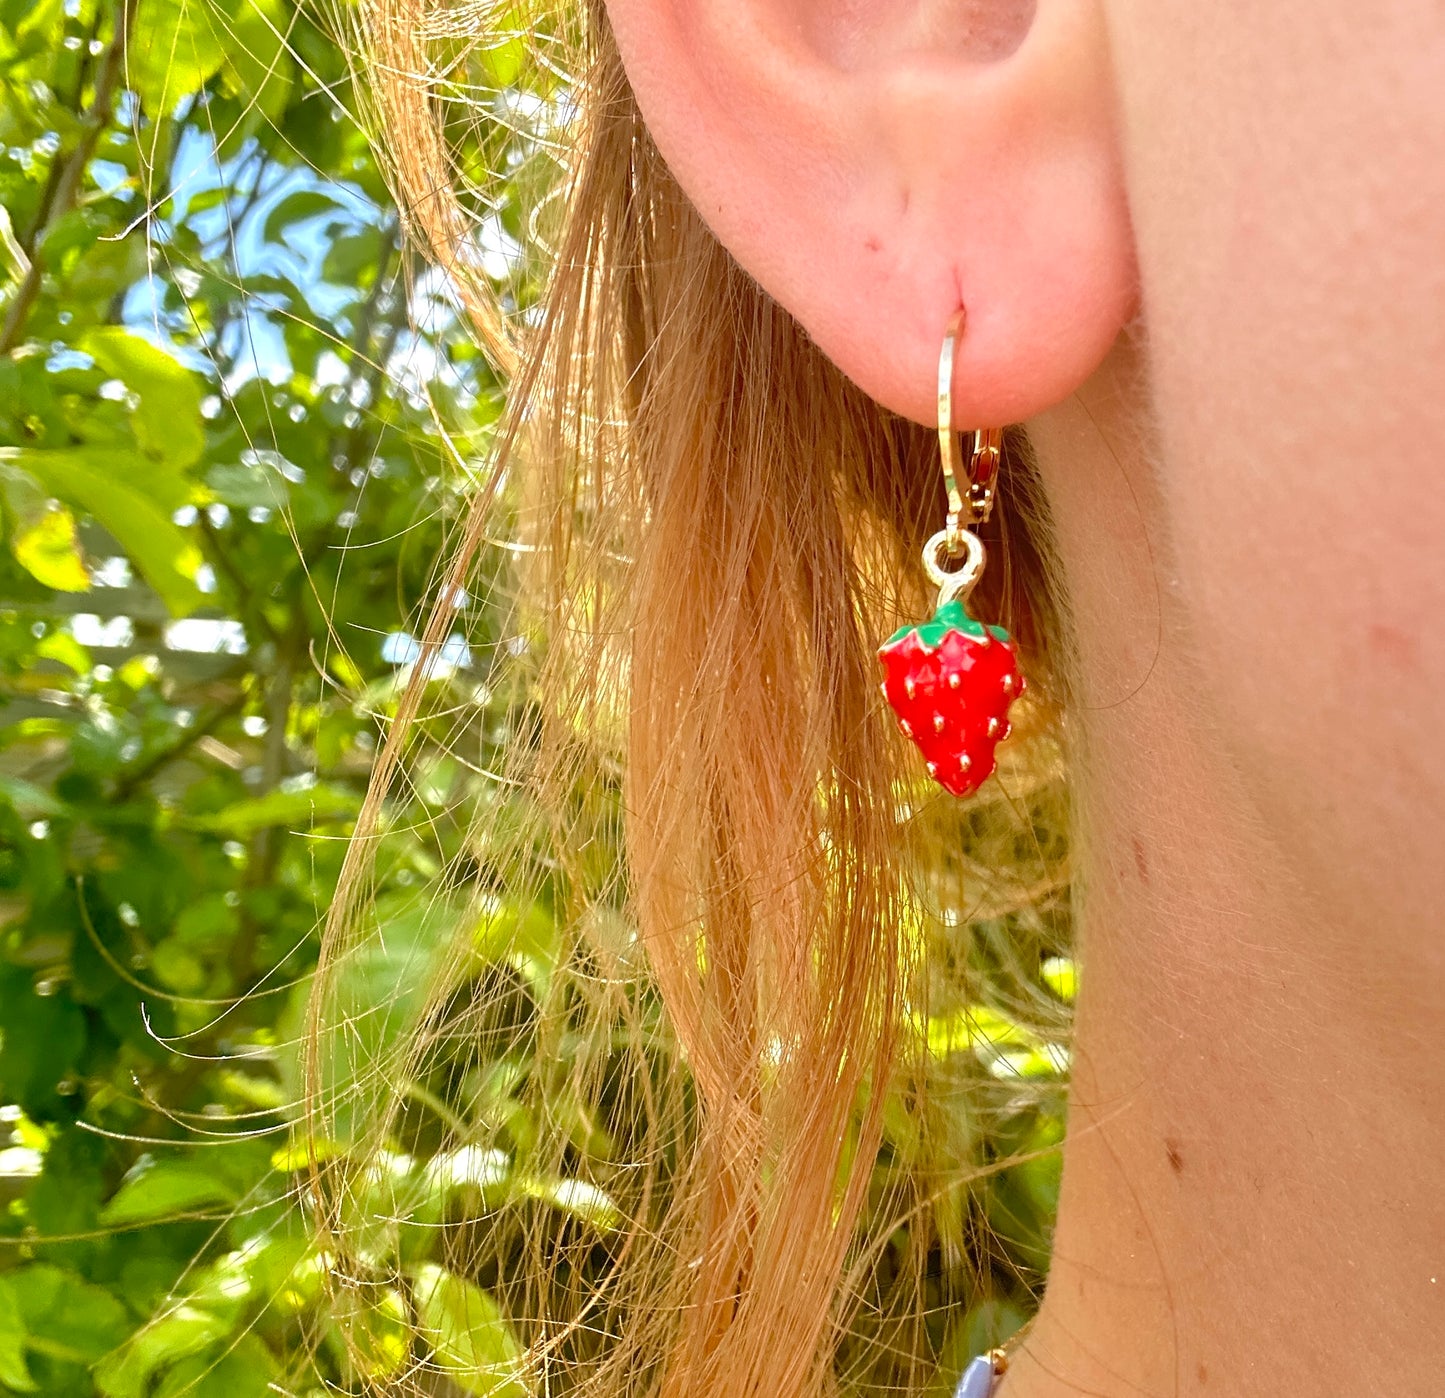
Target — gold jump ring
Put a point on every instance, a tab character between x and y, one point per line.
953	582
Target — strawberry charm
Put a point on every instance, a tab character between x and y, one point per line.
951	681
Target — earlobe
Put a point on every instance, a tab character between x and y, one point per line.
875	167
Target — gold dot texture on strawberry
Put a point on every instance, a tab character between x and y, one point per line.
951	687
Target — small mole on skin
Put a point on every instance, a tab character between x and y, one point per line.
1141	861
1176	1158
1203	1374
873	244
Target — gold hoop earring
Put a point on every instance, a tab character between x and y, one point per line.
952	680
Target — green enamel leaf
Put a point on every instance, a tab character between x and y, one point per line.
951	616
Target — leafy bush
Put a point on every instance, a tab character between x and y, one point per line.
237	422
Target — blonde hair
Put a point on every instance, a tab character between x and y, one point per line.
714	529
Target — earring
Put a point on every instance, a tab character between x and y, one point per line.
982	1374
952	680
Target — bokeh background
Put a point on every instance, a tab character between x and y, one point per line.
238	423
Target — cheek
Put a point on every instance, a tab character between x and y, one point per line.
1295	296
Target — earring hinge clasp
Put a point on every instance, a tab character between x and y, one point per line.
972	505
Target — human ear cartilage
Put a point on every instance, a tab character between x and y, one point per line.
951	680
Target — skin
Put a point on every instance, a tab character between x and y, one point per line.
1203	252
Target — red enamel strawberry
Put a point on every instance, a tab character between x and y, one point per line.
951	682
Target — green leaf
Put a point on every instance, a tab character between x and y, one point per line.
527	937
582	1200
298	207
299	1153
372	1004
474	1167
296	810
468	1334
44	1035
287	1269
66	1198
975	1028
476	1178
125	494
41	21
73	1319
167	420
173	1335
48	548
208	922
14	264
1061	975
352	256
180	52
246	487
244	1369
43	536
64	649
31	802
504	62
258	69
374	1325
156	1190
178	968
13	1373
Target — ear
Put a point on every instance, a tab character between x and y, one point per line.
876	163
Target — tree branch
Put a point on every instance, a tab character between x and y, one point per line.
129	782
67	188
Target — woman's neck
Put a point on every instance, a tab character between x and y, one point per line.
1252	1197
